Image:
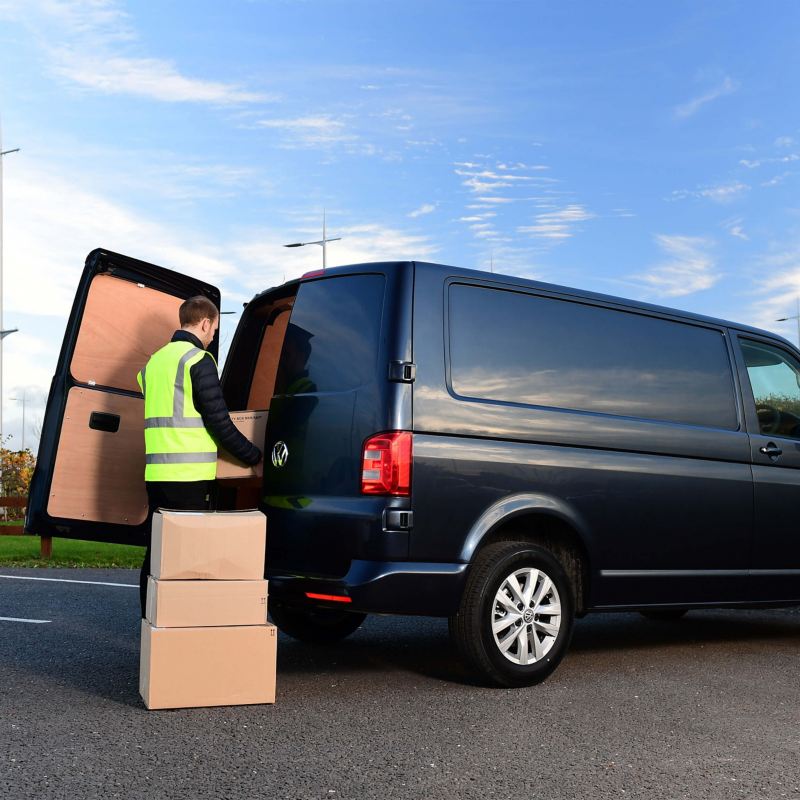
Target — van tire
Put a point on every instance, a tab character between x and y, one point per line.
487	603
315	625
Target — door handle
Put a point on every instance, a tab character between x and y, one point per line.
772	450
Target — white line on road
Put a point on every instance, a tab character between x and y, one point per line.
19	619
67	580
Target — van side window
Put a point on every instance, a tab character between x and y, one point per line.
513	347
332	339
775	378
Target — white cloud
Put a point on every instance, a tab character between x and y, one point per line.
490	174
557	225
777	179
777	285
312	131
787	159
51	226
425	208
784	141
722	193
477	185
99	49
689	267
728	86
735	229
481	180
154	78
491	199
520	165
269	263
74	17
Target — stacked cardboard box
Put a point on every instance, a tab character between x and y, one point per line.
205	639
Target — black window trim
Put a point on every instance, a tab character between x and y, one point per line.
725	332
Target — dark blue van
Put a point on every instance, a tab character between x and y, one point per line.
505	453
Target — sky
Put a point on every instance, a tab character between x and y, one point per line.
647	150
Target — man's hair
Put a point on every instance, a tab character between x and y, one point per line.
195	310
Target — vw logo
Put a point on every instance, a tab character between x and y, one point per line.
280	454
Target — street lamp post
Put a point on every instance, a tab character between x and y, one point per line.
323	241
794	316
22	400
3	333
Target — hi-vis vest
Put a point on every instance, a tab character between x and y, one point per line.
177	445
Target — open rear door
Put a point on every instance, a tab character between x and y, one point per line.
89	478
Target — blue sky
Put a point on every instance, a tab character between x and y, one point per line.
640	149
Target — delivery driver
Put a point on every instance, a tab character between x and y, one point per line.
185	418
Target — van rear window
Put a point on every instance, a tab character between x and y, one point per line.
332	340
518	348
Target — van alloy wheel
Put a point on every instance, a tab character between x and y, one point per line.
515	618
526	616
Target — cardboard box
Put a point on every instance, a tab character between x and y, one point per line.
208	545
253	424
192	667
188	604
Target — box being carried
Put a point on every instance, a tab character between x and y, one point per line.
253	425
208	545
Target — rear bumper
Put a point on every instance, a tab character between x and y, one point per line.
379	587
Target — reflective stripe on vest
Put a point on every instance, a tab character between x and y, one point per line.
177	445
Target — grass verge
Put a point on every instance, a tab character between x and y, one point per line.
23	551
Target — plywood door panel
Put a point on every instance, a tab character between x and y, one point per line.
99	476
123	325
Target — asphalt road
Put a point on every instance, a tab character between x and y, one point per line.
707	707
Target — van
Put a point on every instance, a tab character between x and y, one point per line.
505	453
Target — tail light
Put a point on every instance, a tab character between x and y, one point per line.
386	464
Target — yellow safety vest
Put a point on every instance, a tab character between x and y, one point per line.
177	445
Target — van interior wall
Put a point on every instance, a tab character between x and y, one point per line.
265	329
269	353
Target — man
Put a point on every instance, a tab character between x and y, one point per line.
185	419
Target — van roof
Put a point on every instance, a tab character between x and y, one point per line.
500	279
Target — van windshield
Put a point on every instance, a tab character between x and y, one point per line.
331	342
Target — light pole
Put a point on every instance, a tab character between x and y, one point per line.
323	241
3	333
794	316
22	400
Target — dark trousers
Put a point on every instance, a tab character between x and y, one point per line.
175	495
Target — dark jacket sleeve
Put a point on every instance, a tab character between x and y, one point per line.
210	404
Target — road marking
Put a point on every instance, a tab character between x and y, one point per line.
68	580
19	619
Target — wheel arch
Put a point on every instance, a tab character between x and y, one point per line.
542	520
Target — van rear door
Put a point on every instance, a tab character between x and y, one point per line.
89	478
328	391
